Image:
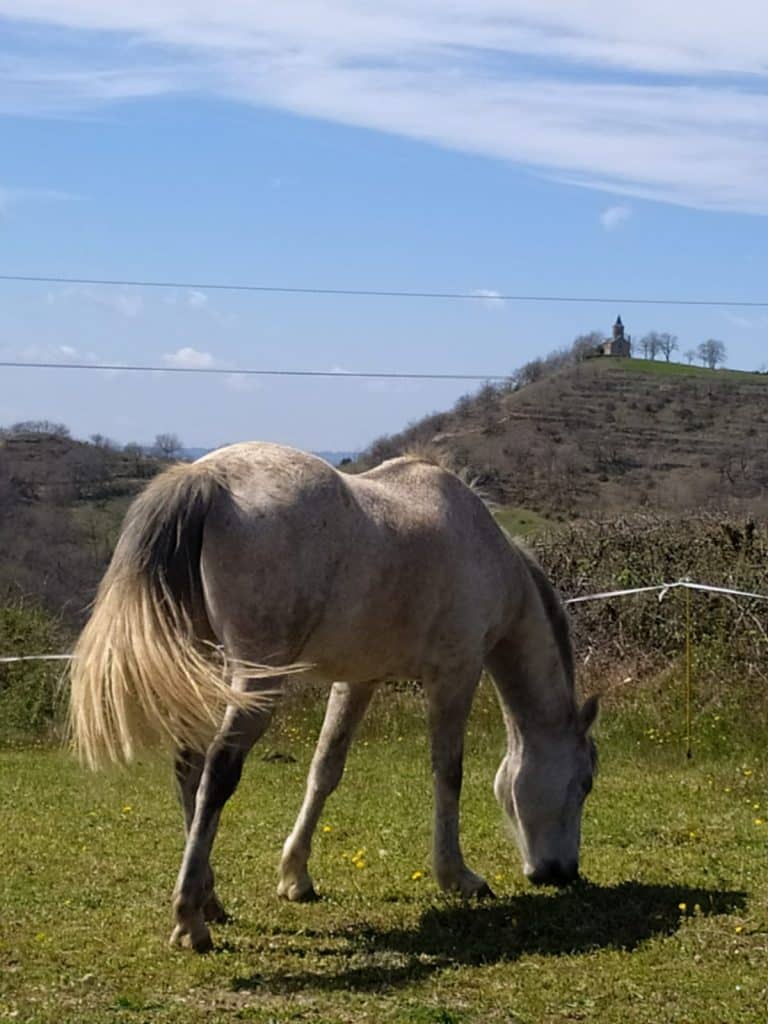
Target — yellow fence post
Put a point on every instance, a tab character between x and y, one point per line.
688	680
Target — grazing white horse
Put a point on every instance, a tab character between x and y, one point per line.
260	560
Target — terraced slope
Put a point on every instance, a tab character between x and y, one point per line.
608	436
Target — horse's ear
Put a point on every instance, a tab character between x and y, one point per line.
588	713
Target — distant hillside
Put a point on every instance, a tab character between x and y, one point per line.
605	436
62	502
333	457
61	505
559	443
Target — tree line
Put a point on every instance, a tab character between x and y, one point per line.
711	353
165	445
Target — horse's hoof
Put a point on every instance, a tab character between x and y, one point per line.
202	942
485	892
214	912
306	895
298	893
468	885
198	938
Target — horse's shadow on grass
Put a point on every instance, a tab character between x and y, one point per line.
582	918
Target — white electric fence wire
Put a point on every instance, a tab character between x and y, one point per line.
36	657
661	589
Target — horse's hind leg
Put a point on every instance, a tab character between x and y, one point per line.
188	769
346	706
220	776
449	700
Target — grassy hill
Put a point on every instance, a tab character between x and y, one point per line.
607	436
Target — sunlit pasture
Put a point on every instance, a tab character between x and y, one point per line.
670	922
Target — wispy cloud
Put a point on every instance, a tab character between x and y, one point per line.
671	106
614	216
242	383
189	358
196	302
490	299
12	197
123	301
746	323
37	353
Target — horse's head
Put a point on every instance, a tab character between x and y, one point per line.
542	784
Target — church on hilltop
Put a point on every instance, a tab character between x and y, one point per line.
619	344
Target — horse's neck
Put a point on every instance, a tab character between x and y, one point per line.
531	669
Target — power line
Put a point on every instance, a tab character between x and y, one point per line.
248	372
374	293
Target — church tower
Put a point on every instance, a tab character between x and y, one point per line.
619	344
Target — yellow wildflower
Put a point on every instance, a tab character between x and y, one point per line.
682	906
327	828
416	876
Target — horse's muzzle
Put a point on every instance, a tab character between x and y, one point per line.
552	872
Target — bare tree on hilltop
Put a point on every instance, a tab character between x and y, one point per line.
656	342
47	427
101	441
585	345
667	344
711	353
168	446
651	344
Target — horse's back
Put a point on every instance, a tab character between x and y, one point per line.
369	575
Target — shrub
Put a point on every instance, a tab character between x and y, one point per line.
729	636
31	702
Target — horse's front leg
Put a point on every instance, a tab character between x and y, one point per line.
220	776
449	699
346	706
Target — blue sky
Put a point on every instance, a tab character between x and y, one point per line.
498	146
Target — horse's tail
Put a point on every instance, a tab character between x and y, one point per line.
139	673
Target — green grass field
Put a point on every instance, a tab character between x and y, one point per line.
672	924
661	368
519	521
